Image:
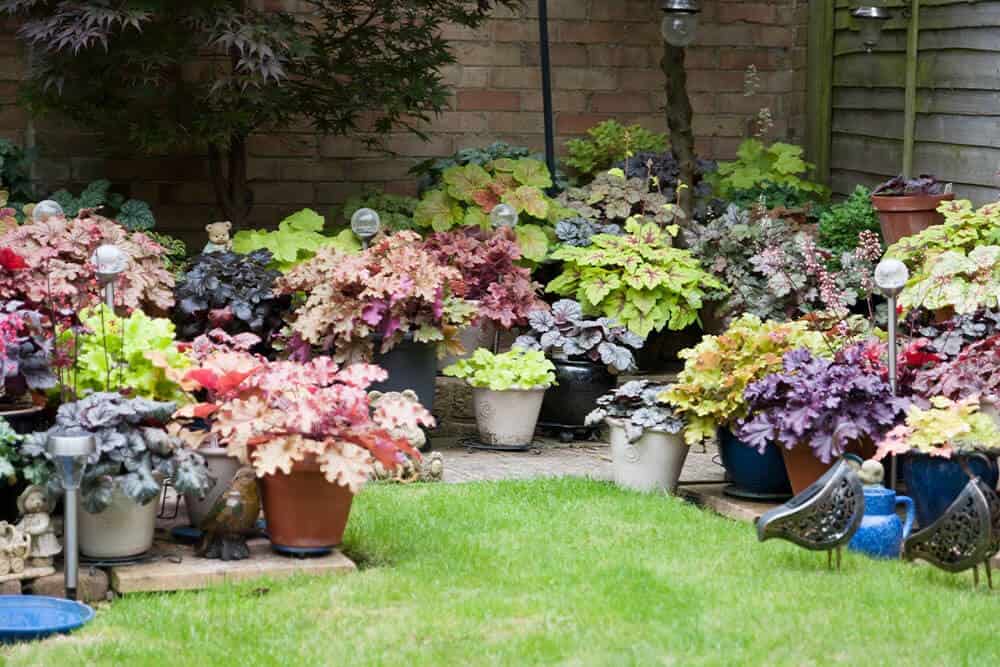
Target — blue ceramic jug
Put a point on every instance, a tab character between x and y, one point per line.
882	533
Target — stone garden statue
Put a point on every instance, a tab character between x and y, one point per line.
218	237
36	521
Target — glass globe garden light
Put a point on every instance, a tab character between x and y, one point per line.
680	21
503	215
365	224
70	451
46	209
110	262
869	20
891	276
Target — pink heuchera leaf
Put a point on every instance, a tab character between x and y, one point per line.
362	375
372	313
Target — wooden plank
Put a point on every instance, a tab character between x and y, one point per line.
959	130
819	105
910	92
968	39
712	497
879	156
883	124
843	182
883	70
973	70
970	165
964	102
876	99
193	573
965	15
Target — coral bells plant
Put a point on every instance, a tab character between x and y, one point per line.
944	428
637	406
487	261
821	403
395	287
517	369
25	351
274	414
57	254
975	371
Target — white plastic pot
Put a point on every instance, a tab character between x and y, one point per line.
651	463
507	418
124	529
222	468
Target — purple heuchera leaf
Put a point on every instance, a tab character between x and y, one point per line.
373	312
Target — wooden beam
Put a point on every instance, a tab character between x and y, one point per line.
819	102
910	94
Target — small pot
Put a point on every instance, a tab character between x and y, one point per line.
934	482
579	383
507	418
804	468
221	468
651	463
410	365
305	513
754	475
123	530
901	216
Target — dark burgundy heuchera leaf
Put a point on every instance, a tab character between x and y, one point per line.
976	370
923	184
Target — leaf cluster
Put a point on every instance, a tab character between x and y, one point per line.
15	171
974	372
132	214
963	229
431	172
564	332
964	282
610	142
840	224
395	211
944	428
947	339
518	369
638	279
577	231
612	199
10	457
298	238
758	167
900	186
636	405
232	292
709	391
25	350
175	252
662	173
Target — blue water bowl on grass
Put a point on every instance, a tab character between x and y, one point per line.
29	617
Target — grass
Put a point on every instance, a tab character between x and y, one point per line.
555	571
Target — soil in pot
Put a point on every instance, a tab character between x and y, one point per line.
934	482
755	476
901	216
507	418
578	386
123	530
651	463
305	514
221	468
410	366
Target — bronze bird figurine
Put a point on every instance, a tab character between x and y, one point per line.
232	519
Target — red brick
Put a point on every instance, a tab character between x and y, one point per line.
603	55
562	100
559	55
748	12
620	102
515	31
516	122
494	55
578	123
590	32
283	193
282	145
488	100
745	104
516	77
720	126
584	78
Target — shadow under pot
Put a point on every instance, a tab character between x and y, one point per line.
754	476
934	482
579	383
410	365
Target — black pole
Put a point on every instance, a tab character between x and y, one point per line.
543	48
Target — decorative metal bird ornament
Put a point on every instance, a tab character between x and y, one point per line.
823	517
966	536
232	519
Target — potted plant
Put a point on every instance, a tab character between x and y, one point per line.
931	440
816	409
123	477
507	393
709	395
501	290
587	354
393	296
909	206
647	448
312	436
231	292
25	356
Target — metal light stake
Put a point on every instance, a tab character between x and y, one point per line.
891	276
110	261
365	224
70	452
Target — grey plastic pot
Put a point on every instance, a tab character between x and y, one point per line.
507	418
124	529
651	463
222	468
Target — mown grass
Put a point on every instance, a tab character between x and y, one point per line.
552	571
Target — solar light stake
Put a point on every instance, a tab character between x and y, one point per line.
110	262
890	278
365	224
503	215
70	452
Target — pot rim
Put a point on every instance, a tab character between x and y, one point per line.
901	203
530	390
619	423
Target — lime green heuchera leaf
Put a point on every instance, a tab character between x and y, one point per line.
504	164
517	369
306	220
463	182
533	242
297	239
528	199
475	217
438	211
532	173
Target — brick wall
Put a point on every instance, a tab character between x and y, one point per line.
605	64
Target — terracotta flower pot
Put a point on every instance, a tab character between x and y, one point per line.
804	468
305	513
901	216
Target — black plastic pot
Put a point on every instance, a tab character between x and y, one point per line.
578	386
659	352
410	366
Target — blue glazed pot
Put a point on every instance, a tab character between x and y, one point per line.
881	533
753	473
934	482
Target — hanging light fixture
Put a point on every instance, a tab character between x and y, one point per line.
680	21
870	20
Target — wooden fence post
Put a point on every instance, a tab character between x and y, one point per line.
819	101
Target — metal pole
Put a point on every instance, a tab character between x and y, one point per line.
71	554
109	294
543	48
892	376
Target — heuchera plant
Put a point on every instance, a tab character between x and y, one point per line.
974	372
517	369
757	166
298	238
953	279
946	427
432	171
820	403
638	279
133	452
612	199
273	414
709	392
504	291
964	228
25	350
564	332
577	231
636	405
609	142
393	288
232	292
899	186
59	272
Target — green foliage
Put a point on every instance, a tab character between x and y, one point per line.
610	142
133	214
516	369
709	391
758	168
395	211
136	354
963	229
955	280
612	199
944	428
176	256
297	239
15	171
638	278
840	224
431	172
10	459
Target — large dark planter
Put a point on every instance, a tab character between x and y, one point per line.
410	366
305	514
578	386
754	475
934	482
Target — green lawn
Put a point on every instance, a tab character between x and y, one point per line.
558	571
